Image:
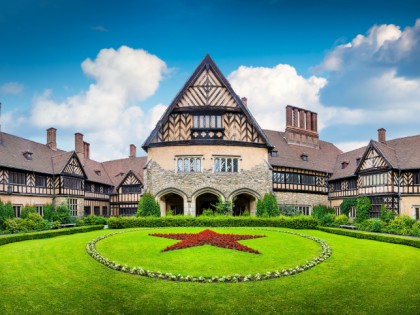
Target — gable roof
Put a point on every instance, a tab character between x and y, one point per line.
117	170
350	158
228	99
290	155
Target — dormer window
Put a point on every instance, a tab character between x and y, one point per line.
344	164
98	172
358	161
304	157
27	155
274	153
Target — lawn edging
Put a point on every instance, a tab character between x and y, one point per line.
12	238
298	222
373	236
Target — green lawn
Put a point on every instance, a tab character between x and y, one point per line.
56	276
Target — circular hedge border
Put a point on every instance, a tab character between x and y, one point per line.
325	254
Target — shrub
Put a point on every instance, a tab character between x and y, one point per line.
62	214
370	225
363	206
6	212
261	212
267	206
208	213
148	206
26	210
49	212
320	211
223	207
400	225
327	220
347	204
94	220
386	215
33	222
341	219
415	229
170	213
246	213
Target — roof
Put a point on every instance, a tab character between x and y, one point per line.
290	155
350	158
117	170
96	172
206	63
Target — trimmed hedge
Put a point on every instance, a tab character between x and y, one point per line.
297	222
415	242
47	234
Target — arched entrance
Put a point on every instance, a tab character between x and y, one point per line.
171	200
205	201
244	200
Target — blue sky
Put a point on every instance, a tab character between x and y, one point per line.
115	65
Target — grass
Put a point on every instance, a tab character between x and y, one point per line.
56	276
279	250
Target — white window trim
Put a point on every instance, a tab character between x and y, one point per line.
179	157
227	157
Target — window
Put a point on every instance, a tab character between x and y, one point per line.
417	213
97	210
128	211
344	164
72	203
72	183
305	157
293	178
296	209
131	189
352	184
188	164
279	178
274	153
374	180
40	209
207	121
87	210
308	180
226	165
17	178
40	181
337	210
416	178
352	212
337	186
104	211
17	209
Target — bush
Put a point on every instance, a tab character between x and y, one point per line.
346	205
94	220
223	207
6	212
49	212
320	211
289	210
267	206
363	206
298	222
386	215
261	212
208	213
341	219
62	214
246	213
370	225
400	225
26	210
327	220
33	222
148	206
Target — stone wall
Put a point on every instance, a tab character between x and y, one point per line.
296	198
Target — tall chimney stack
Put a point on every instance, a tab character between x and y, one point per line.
133	150
86	150
78	144
52	138
301	127
382	135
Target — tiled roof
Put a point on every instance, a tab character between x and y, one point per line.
118	169
290	155
407	151
350	158
95	171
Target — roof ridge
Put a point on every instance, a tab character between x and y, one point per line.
29	140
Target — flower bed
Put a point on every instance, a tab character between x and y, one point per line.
209	237
325	254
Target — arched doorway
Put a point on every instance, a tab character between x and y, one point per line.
244	200
205	201
171	200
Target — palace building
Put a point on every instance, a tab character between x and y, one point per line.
206	146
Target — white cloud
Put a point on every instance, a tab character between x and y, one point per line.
351	145
107	113
269	90
11	88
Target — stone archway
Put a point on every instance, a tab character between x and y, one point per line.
171	200
244	200
205	201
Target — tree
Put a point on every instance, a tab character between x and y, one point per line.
267	206
261	212
6	212
148	206
26	210
363	206
347	204
386	215
223	207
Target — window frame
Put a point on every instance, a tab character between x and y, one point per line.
17	178
185	164
226	164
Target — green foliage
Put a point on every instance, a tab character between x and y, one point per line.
94	220
246	213
26	210
46	234
386	215
347	204
62	214
297	222
208	213
363	206
170	213
400	225
49	212
289	210
6	212
321	211
372	236
148	206
267	206
33	222
370	225
223	207
327	220
341	219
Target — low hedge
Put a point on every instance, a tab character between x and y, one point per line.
297	222
6	239
415	242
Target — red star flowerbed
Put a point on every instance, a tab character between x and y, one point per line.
209	237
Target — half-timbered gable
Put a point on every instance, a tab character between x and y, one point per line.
207	111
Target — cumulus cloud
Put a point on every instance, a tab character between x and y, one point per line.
11	88
269	90
108	113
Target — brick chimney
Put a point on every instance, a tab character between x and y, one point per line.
244	101
79	144
133	151
301	127
382	135
86	150
52	138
